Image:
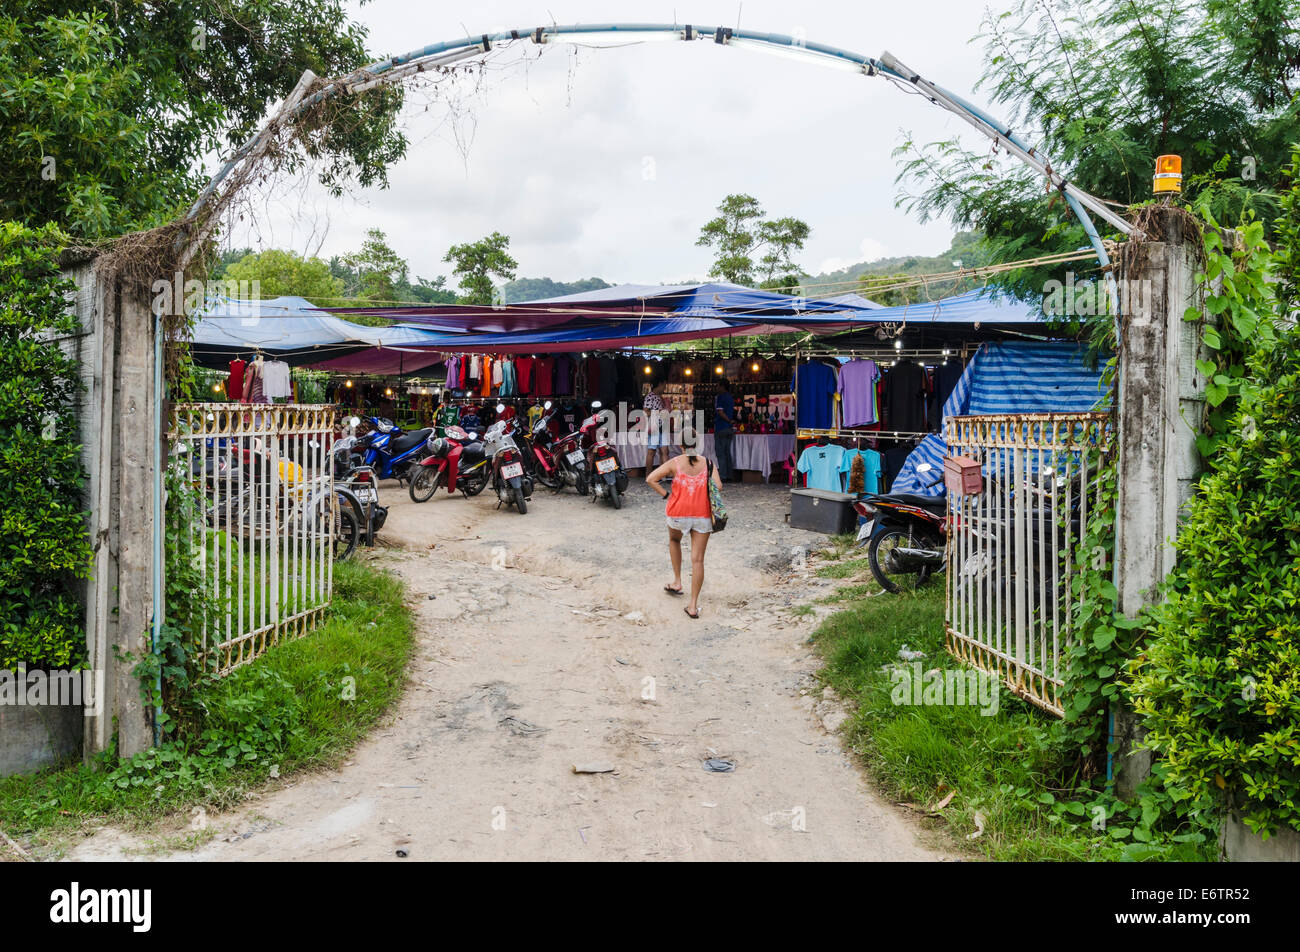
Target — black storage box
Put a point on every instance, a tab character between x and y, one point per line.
822	511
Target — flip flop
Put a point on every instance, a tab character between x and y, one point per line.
673	591
689	615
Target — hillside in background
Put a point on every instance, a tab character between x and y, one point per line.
965	248
530	289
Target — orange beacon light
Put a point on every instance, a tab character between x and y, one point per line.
1169	174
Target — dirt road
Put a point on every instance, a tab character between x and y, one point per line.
551	643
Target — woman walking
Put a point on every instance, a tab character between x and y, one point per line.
688	510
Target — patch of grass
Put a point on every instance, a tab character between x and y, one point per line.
1010	772
303	704
849	569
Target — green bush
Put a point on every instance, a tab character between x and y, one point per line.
44	548
1220	684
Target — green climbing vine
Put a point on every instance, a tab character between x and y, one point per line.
1218	685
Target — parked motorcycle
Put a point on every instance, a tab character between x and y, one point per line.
513	486
390	450
905	534
455	461
360	479
539	451
570	460
605	474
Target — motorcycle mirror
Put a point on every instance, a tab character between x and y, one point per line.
354	421
924	468
473	436
501	408
546	405
595	404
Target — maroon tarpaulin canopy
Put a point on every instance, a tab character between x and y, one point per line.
381	361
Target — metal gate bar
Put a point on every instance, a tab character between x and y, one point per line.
1012	548
264	527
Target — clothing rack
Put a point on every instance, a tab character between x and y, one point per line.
804	433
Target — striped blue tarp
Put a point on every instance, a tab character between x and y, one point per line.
1007	377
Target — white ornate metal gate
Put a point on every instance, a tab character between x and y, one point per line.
261	521
1012	548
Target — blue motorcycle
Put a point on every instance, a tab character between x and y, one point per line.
389	450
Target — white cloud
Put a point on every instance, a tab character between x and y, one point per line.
559	146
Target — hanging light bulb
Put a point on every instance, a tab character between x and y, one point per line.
718	369
347	383
898	344
388	391
689	371
647	370
754	366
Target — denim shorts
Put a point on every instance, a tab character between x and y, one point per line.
691	523
656	438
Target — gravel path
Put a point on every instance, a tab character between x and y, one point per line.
550	643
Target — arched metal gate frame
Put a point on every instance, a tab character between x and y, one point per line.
196	226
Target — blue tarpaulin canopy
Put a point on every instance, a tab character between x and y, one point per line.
289	329
1007	377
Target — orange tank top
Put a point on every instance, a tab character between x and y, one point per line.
690	495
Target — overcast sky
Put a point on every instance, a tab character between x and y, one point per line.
607	164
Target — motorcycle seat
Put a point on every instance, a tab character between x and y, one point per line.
409	440
471	453
911	499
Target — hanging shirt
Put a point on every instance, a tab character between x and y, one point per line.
607	392
275	379
871	464
822	464
563	380
814	386
857	389
543	376
235	381
524	375
453	373
905	395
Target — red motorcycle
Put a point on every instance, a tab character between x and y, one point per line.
455	458
542	452
605	474
570	460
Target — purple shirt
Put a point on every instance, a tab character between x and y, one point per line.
563	379
857	388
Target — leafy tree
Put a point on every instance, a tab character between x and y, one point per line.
427	291
741	231
477	262
380	269
287	273
1104	86
107	109
44	547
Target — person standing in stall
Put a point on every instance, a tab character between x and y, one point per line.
688	510
656	425
724	429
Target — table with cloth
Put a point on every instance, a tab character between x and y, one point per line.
752	451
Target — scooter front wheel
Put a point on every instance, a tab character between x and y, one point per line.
520	504
615	497
425	483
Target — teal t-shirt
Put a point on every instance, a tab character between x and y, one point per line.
871	469
822	464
